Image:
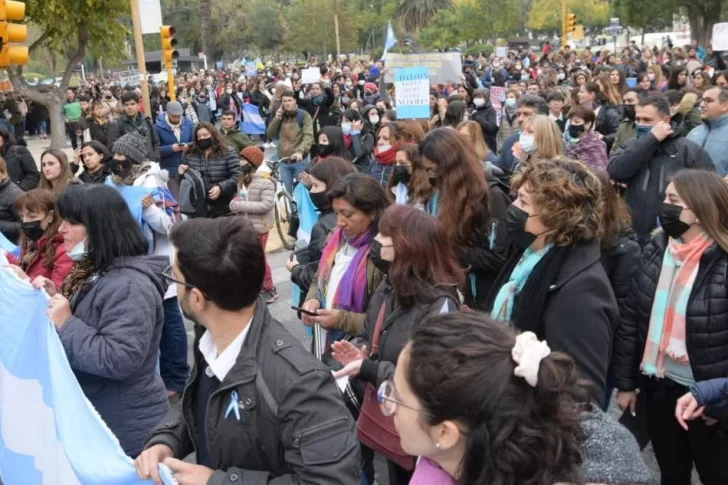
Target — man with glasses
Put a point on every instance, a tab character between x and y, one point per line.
258	408
712	135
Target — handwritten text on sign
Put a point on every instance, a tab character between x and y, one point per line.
443	67
412	92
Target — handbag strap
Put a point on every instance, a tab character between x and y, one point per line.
378	328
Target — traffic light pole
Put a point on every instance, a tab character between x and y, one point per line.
563	24
141	63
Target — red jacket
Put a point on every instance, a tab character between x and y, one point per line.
62	264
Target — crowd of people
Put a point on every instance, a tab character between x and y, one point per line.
480	283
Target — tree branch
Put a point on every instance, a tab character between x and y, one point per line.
76	57
38	42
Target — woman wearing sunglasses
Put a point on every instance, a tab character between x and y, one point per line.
422	279
480	405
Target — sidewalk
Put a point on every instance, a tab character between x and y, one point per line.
37	147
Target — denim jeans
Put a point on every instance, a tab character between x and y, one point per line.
290	171
173	365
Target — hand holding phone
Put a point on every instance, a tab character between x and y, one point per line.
305	312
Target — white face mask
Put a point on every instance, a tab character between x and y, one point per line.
479	102
78	252
374	120
528	143
229	91
562	76
383	148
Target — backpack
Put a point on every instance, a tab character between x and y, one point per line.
192	195
299	117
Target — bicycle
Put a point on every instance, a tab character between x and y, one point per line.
285	208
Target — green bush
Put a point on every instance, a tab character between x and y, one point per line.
477	48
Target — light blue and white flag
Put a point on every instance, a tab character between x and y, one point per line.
49	432
7	245
253	123
390	41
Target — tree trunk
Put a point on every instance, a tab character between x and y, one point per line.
58	125
206	30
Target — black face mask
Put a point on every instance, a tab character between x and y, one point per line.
32	230
204	143
247	169
401	174
516	219
120	167
375	256
433	180
629	112
324	150
575	131
319	200
670	220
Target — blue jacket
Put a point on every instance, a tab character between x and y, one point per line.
712	135
170	160
712	393
506	159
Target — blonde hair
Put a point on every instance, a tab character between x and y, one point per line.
547	135
657	70
475	138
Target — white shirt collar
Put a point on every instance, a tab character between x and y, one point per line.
221	364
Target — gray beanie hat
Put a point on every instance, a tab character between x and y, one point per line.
132	146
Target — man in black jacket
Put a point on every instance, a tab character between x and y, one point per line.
258	408
22	169
485	116
646	163
132	121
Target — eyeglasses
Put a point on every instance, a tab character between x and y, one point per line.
168	274
388	404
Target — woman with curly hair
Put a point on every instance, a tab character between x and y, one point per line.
554	285
523	422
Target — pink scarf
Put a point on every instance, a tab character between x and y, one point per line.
427	472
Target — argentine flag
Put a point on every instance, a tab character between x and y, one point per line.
253	123
390	41
49	432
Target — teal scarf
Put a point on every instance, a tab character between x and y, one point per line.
504	300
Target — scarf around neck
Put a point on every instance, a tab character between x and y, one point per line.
387	157
666	334
352	289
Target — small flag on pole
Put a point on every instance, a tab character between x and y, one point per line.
391	40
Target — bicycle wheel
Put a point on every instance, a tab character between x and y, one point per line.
283	205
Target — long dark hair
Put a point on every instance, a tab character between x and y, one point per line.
364	193
464	197
674	73
422	264
516	434
219	146
617	218
8	140
330	171
336	141
111	229
40	201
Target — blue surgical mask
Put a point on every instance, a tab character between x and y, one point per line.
642	130
346	128
79	251
528	143
510	102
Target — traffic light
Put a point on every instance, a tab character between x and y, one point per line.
9	33
169	44
570	23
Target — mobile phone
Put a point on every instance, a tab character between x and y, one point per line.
305	312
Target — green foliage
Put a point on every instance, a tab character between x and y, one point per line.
648	16
545	15
478	48
417	14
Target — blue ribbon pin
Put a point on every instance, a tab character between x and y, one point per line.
233	406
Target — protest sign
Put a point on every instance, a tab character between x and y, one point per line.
497	99
310	75
501	52
444	67
412	92
251	68
720	37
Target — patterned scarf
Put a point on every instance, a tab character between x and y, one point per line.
666	335
506	297
80	273
352	289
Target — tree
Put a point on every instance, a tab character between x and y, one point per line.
206	30
545	15
702	14
648	16
417	14
266	26
86	25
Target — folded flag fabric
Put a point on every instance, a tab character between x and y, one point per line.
253	123
49	432
6	245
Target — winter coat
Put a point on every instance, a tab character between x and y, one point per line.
607	122
221	170
321	115
62	264
237	139
96	178
397	326
21	167
99	133
687	117
204	113
112	345
9	218
362	150
169	159
293	138
142	126
506	159
645	165
257	206
713	392
304	273
591	150
486	118
626	132
620	262
506	130
713	137
293	429
579	312
706	316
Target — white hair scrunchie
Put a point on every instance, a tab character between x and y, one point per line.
528	353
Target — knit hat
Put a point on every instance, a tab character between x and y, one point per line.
253	155
371	87
132	146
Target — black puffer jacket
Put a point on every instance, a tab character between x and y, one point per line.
303	273
221	169
486	118
645	165
21	167
9	219
707	316
607	123
620	262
